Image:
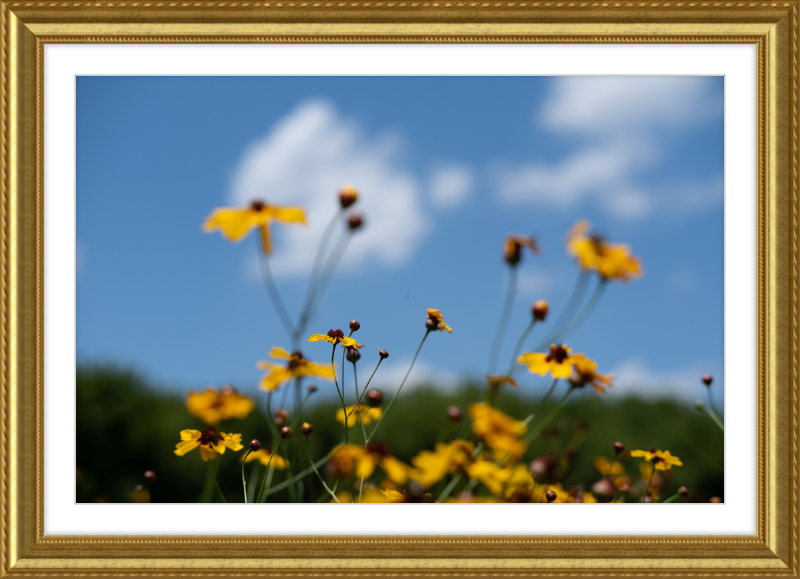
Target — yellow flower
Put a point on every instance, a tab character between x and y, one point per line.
436	320
602	464
212	406
499	431
562	496
360	461
520	486
335	337
264	455
431	467
512	248
662	460
610	260
366	413
558	362
492	476
210	444
585	373
296	367
236	222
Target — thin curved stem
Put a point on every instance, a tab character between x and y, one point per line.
549	418
298	476
652	472
511	290
244	482
266	475
584	313
519	345
365	387
330	269
388	406
319	476
574	300
275	296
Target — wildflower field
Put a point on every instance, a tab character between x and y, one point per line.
500	440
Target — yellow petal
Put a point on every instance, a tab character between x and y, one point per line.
183	447
365	467
287	214
273	380
207	453
318	337
234	223
563	370
189	434
395	470
277	352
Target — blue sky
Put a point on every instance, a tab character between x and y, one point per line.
446	167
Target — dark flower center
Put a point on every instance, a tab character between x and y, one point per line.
207	436
295	360
379	448
258	205
599	243
557	353
336	335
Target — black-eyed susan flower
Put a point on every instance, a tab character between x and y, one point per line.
612	261
432	466
435	321
265	455
236	222
585	373
497	430
335	337
492	476
211	442
213	406
512	248
361	462
296	367
661	459
363	412
559	362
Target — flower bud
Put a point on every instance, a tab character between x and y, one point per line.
150	476
699	406
431	324
707	379
383	354
312	388
281	416
347	196
551	496
255	445
286	432
374	397
455	414
355	221
603	488
352	354
618	447
306	428
539	310
355	326
683	491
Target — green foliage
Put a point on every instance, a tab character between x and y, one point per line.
126	427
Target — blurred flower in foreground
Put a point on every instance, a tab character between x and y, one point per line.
585	373
210	444
264	456
360	461
558	362
610	260
296	367
512	248
662	460
366	413
212	406
236	222
335	337
431	467
499	431
435	321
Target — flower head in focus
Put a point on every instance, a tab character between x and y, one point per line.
236	222
435	321
295	367
512	248
335	337
612	261
214	406
558	362
210	442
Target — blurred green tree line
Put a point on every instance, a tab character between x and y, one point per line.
126	426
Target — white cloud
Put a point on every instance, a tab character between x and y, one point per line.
450	186
619	120
305	160
535	284
635	378
390	376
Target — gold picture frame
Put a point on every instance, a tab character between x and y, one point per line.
28	25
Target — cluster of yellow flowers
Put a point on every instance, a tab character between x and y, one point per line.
483	463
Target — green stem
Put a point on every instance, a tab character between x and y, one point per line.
272	290
365	388
449	488
652	472
546	396
574	300
388	406
518	347
504	316
216	484
672	499
269	462
549	418
584	313
716	418
244	482
319	476
298	476
360	416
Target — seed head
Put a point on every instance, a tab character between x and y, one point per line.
355	221
618	447
312	388
383	354
539	310
355	326
455	414
352	354
707	379
286	432
306	428
255	445
551	496
374	397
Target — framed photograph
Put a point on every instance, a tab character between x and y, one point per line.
393	289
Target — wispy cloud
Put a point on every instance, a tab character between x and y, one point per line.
450	186
636	378
390	376
619	122
305	159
